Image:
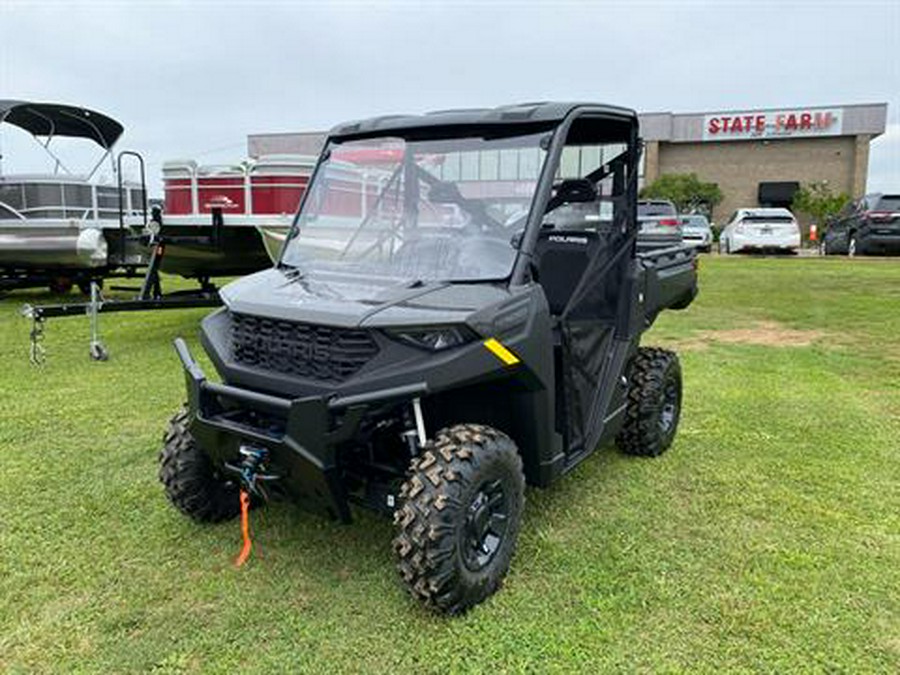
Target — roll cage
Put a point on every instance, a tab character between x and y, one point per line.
566	124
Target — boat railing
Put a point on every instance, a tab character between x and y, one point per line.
7	212
55	198
268	185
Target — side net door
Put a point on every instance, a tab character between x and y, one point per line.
583	260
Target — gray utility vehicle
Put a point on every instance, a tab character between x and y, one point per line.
457	312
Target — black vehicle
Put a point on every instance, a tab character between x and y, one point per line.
870	225
473	328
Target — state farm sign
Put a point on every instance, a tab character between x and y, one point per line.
772	124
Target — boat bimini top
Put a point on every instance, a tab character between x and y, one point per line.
49	120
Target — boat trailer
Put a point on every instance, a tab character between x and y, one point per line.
150	297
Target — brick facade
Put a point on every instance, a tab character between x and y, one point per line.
679	143
739	167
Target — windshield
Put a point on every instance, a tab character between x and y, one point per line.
760	218
888	203
695	221
425	210
651	209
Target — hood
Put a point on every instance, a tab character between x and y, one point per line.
351	302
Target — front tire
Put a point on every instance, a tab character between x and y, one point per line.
191	482
653	408
459	518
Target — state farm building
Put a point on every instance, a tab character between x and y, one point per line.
760	157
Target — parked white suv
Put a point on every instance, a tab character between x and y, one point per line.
760	230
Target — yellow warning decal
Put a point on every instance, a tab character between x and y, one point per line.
501	352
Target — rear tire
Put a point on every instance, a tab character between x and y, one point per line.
191	482
60	285
653	408
459	517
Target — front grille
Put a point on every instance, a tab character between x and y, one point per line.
301	349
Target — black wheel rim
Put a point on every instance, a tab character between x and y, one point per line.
669	412
487	517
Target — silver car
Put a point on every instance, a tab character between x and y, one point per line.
696	231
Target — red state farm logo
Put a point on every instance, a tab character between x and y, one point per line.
771	124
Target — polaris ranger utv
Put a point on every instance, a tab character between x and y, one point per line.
457	312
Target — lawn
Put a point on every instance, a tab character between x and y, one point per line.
767	539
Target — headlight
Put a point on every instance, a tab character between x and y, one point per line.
434	339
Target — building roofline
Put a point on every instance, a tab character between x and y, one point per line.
695	113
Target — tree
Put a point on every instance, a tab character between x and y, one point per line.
685	190
818	201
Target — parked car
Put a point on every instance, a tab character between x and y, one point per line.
867	225
761	229
659	222
696	231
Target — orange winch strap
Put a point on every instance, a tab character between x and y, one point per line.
245	529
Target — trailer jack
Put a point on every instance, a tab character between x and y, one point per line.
37	353
96	349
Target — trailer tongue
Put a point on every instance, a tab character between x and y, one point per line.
217	221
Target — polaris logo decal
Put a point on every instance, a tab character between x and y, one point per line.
567	239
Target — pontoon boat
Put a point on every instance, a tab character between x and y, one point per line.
218	220
60	227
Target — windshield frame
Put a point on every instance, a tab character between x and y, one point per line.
619	125
542	131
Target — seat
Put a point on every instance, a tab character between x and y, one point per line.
560	260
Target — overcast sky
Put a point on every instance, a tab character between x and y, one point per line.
192	79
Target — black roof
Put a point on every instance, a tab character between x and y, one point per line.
522	113
55	119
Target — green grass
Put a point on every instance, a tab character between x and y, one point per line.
766	540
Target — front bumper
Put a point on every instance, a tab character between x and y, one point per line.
764	242
300	435
698	239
